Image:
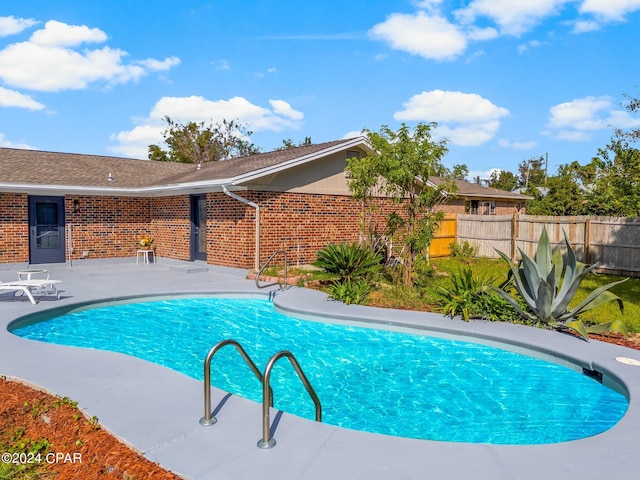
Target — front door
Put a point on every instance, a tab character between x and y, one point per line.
46	230
199	227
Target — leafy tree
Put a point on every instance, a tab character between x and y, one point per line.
363	177
565	195
288	143
616	186
632	105
532	172
201	143
503	180
460	172
403	161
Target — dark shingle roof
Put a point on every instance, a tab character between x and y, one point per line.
32	167
466	189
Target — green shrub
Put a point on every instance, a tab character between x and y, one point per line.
471	297
466	250
350	291
348	261
547	283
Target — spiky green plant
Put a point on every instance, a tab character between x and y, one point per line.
469	296
348	261
547	283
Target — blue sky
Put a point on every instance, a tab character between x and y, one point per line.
506	80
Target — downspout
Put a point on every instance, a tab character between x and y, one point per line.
257	208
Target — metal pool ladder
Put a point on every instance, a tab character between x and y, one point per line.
267	441
266	264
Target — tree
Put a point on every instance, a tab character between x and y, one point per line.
201	143
565	195
402	162
503	180
632	105
533	172
288	143
616	186
460	172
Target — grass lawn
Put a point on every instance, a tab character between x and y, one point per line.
425	298
628	291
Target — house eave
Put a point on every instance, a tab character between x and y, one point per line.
263	172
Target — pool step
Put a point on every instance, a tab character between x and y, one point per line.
190	268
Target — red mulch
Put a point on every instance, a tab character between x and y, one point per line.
84	450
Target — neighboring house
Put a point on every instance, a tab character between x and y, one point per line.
57	206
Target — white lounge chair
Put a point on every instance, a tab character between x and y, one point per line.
29	287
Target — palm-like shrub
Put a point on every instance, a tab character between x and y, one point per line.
350	266
348	261
470	296
547	283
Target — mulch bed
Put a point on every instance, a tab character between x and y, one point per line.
79	447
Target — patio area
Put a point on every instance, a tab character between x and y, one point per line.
156	410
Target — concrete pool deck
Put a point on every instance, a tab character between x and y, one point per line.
156	410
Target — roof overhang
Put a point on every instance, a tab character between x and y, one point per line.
183	188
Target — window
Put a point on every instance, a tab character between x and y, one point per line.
353	154
480	207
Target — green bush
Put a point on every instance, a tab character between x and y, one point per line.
466	250
350	291
471	297
348	261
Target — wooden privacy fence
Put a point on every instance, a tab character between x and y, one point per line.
613	242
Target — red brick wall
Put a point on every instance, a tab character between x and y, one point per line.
107	227
230	231
14	228
301	224
171	226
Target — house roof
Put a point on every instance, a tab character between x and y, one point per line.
32	171
38	172
472	190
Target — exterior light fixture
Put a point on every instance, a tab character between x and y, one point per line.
76	206
110	178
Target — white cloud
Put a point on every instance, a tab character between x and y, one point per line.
429	36
514	17
280	107
134	143
520	146
58	34
154	65
610	9
221	65
11	98
47	62
584	26
466	119
12	25
523	47
353	134
574	120
9	144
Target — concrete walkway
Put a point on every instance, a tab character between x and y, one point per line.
156	410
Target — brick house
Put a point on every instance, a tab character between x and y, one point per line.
60	206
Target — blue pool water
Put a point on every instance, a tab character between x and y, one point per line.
379	381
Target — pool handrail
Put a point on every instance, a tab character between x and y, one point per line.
208	418
267	441
266	264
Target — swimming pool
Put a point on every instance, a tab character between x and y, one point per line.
375	380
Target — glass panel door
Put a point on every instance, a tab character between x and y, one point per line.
46	230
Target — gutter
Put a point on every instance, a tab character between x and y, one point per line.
257	209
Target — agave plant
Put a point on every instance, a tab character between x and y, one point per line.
547	283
